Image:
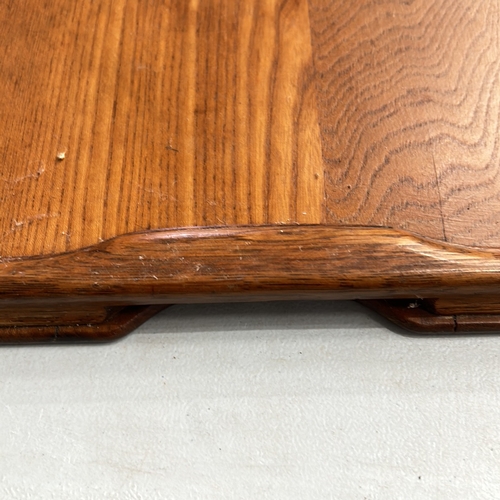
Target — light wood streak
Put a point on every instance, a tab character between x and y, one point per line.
170	113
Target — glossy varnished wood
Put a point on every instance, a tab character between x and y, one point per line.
250	263
416	317
61	325
205	150
170	113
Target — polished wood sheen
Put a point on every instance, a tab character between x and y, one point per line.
170	113
214	264
196	150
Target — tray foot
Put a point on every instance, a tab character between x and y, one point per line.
422	316
77	324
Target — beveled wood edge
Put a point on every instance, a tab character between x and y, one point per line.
117	325
245	263
414	317
411	316
134	275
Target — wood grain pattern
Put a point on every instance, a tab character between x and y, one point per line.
269	149
52	315
170	113
478	304
250	263
196	113
409	94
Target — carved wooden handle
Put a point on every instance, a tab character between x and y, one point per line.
245	263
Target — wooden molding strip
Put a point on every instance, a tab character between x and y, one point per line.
250	263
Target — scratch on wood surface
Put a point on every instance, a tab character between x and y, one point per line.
33	175
19	224
439	197
68	236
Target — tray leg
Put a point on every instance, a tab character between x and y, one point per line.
35	326
421	316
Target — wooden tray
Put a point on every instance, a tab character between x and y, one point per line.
174	151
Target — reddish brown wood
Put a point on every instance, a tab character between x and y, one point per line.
53	315
242	263
412	316
118	322
478	304
477	323
358	119
76	294
416	317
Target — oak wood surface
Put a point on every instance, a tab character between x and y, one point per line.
309	131
409	99
250	263
170	114
191	113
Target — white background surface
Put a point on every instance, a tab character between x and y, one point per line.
284	400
